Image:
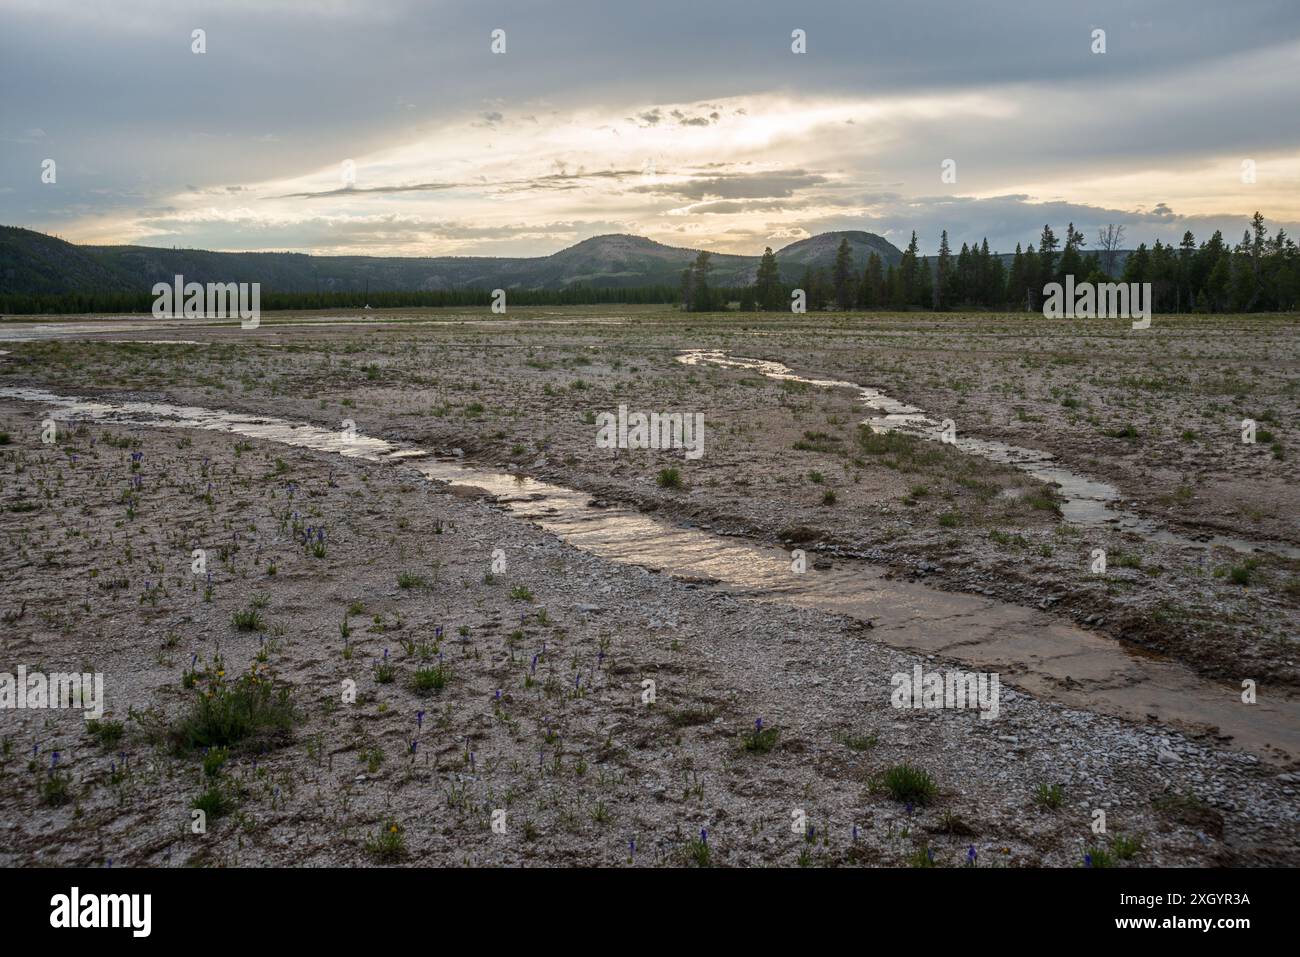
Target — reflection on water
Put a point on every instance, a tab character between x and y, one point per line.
92	328
1085	501
1033	650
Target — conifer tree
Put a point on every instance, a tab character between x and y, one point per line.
943	278
843	275
767	284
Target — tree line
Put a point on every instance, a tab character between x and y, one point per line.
120	302
1260	273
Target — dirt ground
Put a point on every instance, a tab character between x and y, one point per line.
97	577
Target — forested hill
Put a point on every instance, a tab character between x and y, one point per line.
34	263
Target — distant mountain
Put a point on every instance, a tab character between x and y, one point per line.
32	262
820	251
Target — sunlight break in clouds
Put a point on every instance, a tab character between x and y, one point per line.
653	171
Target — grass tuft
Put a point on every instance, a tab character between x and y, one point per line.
906	782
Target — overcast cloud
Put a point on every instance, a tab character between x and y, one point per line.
689	122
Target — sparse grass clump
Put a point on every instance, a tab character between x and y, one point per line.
697	850
248	619
1125	847
819	442
1097	857
1015	540
410	580
1241	574
1043	501
434	678
908	783
760	740
669	478
907	453
56	789
921	857
385	671
860	742
214	761
691	717
225	714
214	802
1049	796
388	845
373	759
106	733
952	823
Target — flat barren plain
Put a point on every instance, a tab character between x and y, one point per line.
366	588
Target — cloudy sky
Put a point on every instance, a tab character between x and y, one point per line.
390	127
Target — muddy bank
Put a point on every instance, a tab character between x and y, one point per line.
1037	652
522	395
